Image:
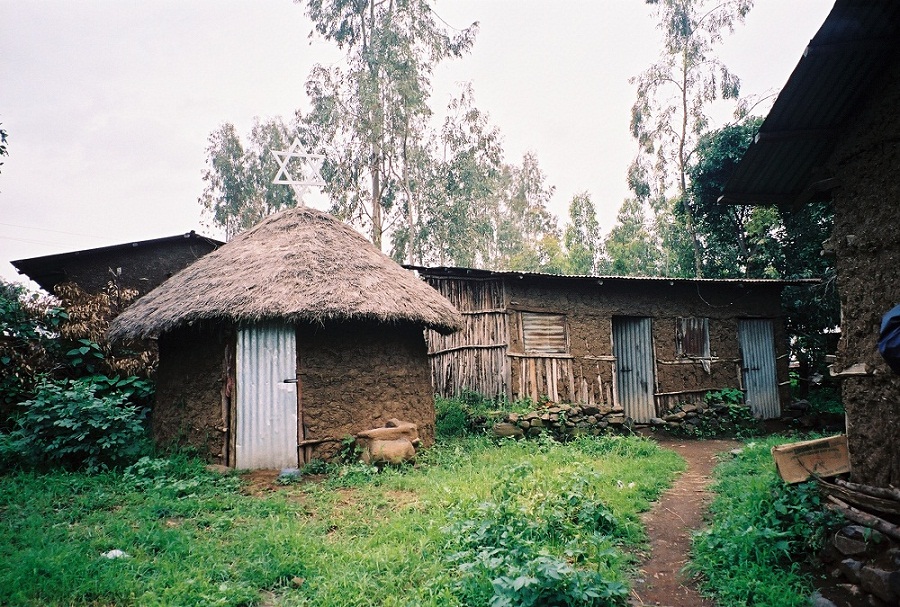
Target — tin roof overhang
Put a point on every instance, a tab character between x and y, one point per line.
474	273
786	163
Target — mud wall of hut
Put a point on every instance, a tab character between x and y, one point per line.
585	373
866	240
142	268
190	385
357	376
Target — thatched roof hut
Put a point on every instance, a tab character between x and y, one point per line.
286	340
297	265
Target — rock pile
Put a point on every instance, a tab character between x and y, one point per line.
711	419
865	566
564	421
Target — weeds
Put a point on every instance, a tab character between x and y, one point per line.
358	538
762	530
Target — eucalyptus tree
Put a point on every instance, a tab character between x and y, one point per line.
3	150
583	240
630	244
674	95
239	190
371	114
456	220
524	229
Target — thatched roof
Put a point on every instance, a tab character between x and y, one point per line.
299	265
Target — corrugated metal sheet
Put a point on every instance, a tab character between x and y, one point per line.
692	337
633	349
544	333
266	424
757	339
830	83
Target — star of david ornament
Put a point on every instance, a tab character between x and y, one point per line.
306	170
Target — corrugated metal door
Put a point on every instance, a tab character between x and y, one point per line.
633	349
266	386
757	339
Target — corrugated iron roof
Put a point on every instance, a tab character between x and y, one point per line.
456	272
786	162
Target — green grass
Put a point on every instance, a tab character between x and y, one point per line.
762	533
354	539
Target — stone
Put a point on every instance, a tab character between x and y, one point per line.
689	408
506	430
817	600
395	451
513	418
675	417
532	415
534	431
603	409
218	469
616	420
576	410
692	421
570	424
524	424
591	419
894	582
554	409
894	555
855	539
736	452
602	424
545	417
657	421
849	568
799	405
877	581
536	423
565	408
394	429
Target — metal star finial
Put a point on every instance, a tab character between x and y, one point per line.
309	167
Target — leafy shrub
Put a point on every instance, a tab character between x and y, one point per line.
762	530
471	413
515	553
451	420
27	347
725	396
825	399
68	423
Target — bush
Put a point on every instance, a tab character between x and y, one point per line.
471	413
68	423
28	324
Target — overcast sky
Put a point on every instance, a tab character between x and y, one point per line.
108	104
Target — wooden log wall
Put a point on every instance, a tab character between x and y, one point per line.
562	379
474	358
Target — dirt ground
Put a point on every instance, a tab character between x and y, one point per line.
669	524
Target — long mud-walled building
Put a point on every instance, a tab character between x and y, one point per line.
645	344
834	134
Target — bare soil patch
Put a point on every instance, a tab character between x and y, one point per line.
669	524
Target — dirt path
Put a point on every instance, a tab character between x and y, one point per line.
669	524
